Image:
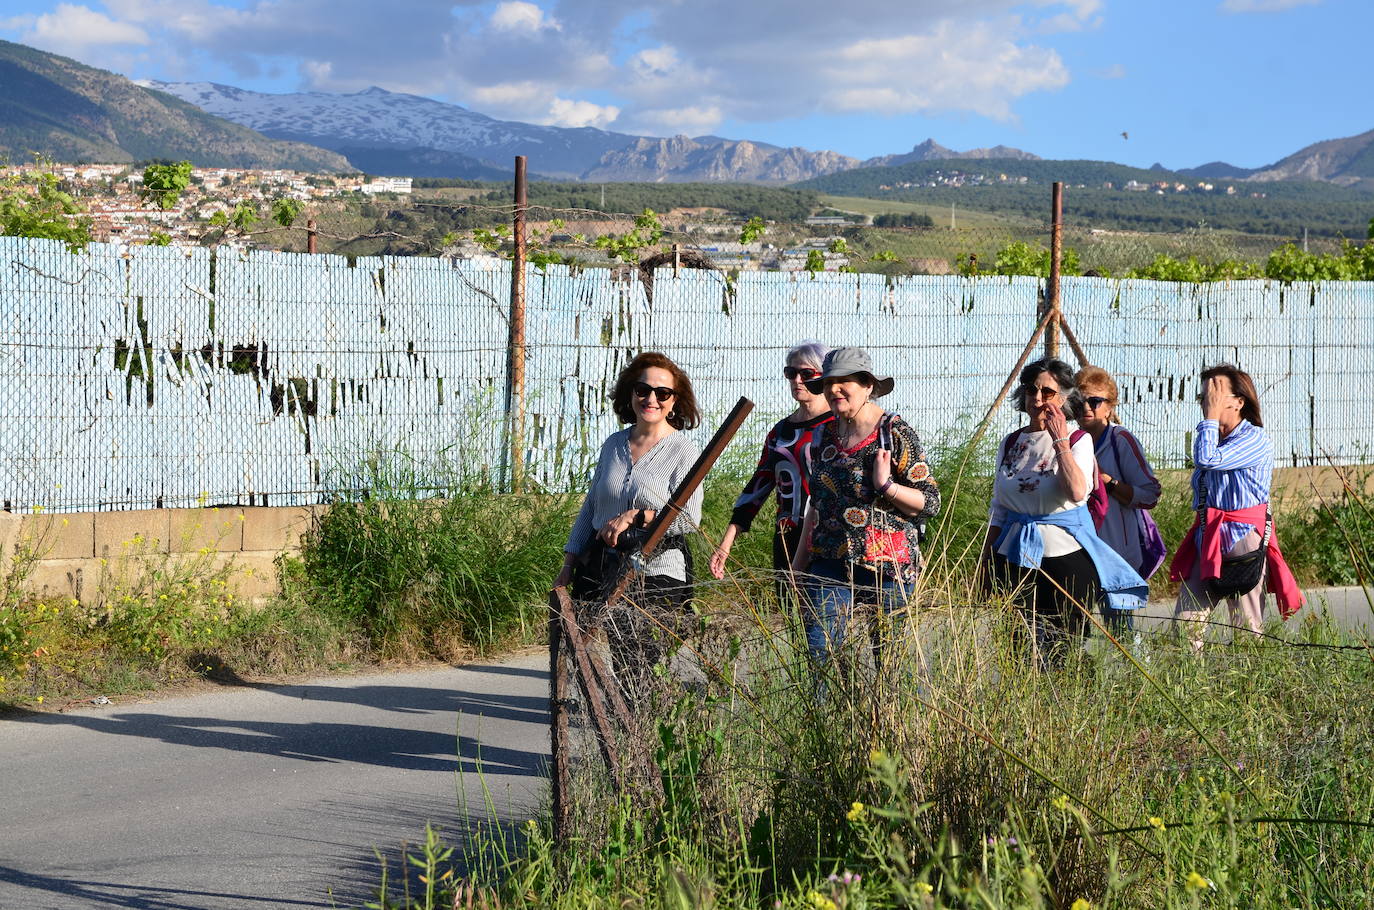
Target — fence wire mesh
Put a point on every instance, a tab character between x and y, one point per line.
165	377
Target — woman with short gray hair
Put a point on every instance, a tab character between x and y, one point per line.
784	467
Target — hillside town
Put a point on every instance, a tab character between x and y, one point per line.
110	195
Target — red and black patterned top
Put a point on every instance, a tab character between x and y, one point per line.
852	522
785	465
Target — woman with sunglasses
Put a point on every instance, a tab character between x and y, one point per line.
1233	469
870	485
784	467
636	473
1042	542
1131	485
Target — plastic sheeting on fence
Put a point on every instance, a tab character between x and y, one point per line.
166	377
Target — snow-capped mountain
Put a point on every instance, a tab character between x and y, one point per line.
406	135
374	122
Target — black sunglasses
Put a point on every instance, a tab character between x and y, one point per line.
806	373
662	393
1094	401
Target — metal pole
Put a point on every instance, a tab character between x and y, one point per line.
1052	285
1011	378
311	235
515	362
1073	342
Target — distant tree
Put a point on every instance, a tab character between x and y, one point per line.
910	220
1021	258
753	229
163	184
34	205
285	211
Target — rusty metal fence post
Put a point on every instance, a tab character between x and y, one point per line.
515	355
1056	257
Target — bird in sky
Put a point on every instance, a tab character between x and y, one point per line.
1125	135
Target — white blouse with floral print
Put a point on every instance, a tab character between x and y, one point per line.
1027	481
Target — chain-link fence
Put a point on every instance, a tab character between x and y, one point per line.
166	377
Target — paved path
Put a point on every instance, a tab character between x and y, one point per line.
1349	608
264	796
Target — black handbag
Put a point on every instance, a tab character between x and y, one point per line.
599	567
1241	574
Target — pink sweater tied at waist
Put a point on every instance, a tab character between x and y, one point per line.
1278	578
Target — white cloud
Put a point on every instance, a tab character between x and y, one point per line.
954	67
1264	6
76	31
654	61
509	94
663	68
566	112
519	16
692	120
317	72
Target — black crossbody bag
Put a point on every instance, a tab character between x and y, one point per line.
1241	574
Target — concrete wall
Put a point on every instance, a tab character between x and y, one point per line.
82	554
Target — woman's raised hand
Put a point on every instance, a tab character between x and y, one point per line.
1216	396
882	468
718	558
1056	422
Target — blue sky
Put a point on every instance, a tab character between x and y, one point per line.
1187	81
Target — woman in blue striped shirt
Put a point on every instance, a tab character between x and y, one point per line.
1233	470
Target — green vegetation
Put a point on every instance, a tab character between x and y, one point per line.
34	205
910	220
954	776
1355	262
163	184
739	199
433	572
1286	209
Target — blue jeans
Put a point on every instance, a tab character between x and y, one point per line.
831	592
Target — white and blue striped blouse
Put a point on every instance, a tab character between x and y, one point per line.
1238	472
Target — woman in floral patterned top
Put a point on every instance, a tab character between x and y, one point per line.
870	485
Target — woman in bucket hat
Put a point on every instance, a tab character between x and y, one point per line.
870	486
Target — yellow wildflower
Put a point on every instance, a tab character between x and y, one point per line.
1156	822
924	887
877	757
1060	802
821	902
1081	904
1196	882
856	811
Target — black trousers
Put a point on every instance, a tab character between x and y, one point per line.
1050	599
785	545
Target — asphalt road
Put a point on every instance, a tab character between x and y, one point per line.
262	796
